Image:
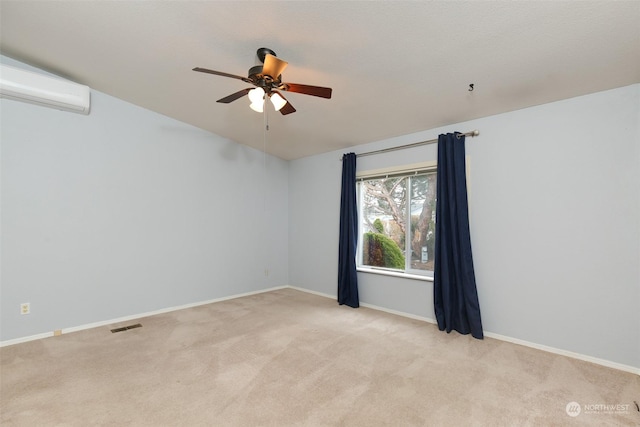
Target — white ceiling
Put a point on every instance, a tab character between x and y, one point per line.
395	67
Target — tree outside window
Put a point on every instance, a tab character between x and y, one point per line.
397	221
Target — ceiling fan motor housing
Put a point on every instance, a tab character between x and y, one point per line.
261	80
255	71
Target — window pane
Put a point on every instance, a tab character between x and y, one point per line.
423	221
383	222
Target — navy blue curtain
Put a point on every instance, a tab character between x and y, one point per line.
347	277
454	292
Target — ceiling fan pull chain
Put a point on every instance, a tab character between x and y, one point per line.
264	187
266	116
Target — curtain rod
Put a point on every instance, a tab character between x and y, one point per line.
471	133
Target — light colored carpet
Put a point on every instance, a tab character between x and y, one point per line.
289	358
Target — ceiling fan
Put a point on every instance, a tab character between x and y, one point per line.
267	80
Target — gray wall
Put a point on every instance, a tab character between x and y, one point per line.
125	211
555	209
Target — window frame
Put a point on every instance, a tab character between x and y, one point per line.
406	171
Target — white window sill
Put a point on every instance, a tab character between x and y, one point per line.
395	274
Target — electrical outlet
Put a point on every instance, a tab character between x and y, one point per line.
25	308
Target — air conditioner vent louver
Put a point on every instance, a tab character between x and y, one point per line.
26	86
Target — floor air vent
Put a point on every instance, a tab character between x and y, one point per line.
125	328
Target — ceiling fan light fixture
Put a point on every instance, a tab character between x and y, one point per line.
256	95
277	101
258	107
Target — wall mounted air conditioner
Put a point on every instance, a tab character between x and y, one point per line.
26	86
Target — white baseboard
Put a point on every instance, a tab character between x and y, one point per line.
573	355
374	307
309	291
26	339
132	317
597	361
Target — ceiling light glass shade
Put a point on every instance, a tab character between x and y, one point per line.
256	95
277	101
257	106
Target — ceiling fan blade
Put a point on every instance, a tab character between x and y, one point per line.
273	66
220	73
322	92
288	108
234	96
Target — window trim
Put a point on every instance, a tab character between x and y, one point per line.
394	273
403	170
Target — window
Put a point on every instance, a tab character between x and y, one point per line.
397	221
